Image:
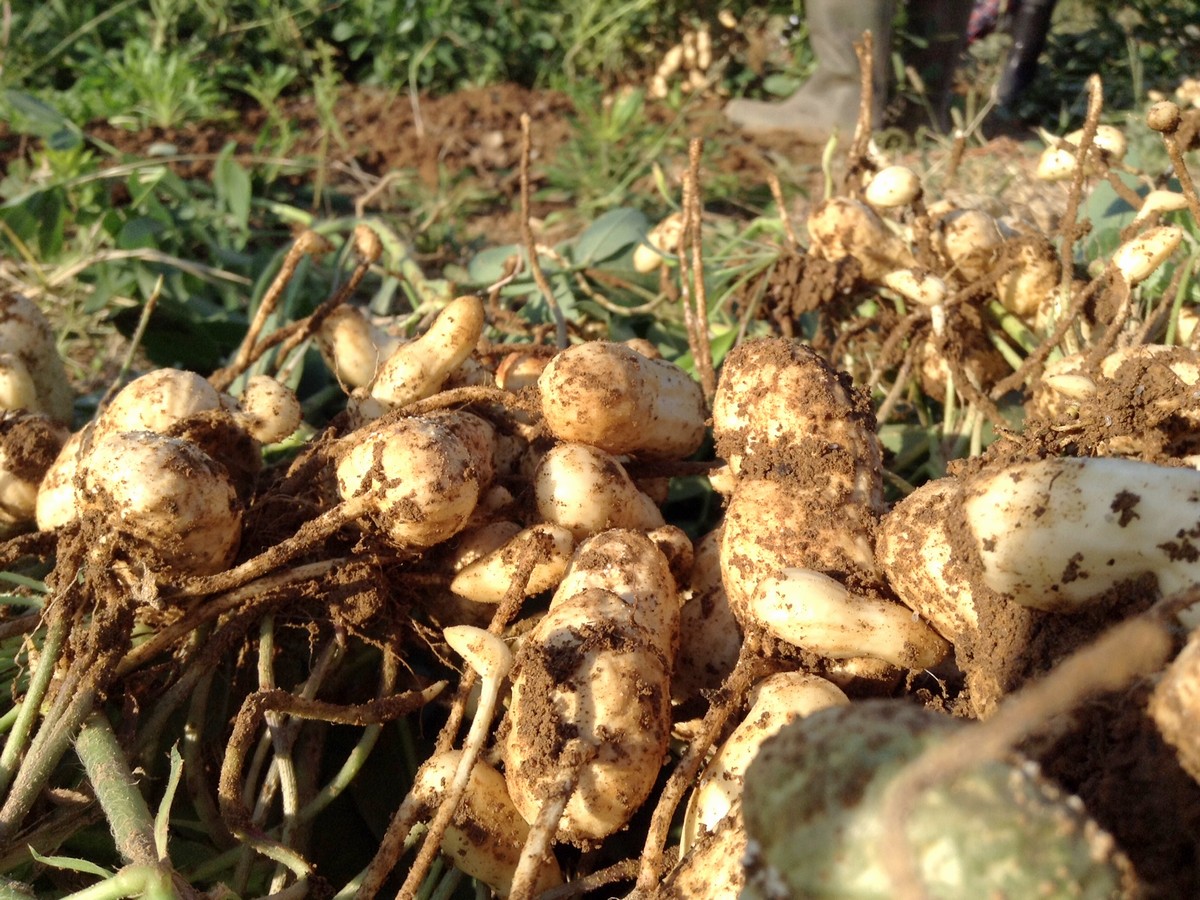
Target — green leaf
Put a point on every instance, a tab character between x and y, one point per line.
232	185
33	116
71	864
488	267
613	232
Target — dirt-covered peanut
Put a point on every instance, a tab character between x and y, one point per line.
774	702
418	368
29	445
813	799
1138	258
485	837
519	370
780	404
353	348
609	396
424	477
811	610
55	505
968	241
840	227
587	490
156	402
270	410
709	634
488	578
165	500
25	334
1035	275
774	524
588	672
629	565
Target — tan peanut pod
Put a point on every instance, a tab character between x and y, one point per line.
55	505
774	702
772	525
487	580
157	401
1108	139
919	286
29	445
1138	258
776	396
1024	289
841	228
811	610
662	240
1159	202
588	672
424	476
25	334
519	370
629	565
1175	705
417	369
477	541
892	187
485	837
611	397
269	410
709	635
712	867
353	347
587	490
968	240
166	498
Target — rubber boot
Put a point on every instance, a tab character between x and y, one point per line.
940	27
828	101
1029	27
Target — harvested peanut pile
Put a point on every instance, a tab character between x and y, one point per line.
931	633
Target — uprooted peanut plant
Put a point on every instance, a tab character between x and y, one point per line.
460	632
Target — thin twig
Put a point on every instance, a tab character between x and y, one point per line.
702	349
308	243
733	692
560	323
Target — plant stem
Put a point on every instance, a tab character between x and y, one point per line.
18	738
123	804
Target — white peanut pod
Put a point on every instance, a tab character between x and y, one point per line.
609	396
587	490
485	837
55	505
1138	258
487	579
841	227
1159	201
921	287
1175	705
774	702
353	347
588	672
166	498
425	479
417	369
1026	287
778	396
1108	139
811	610
17	390
892	187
